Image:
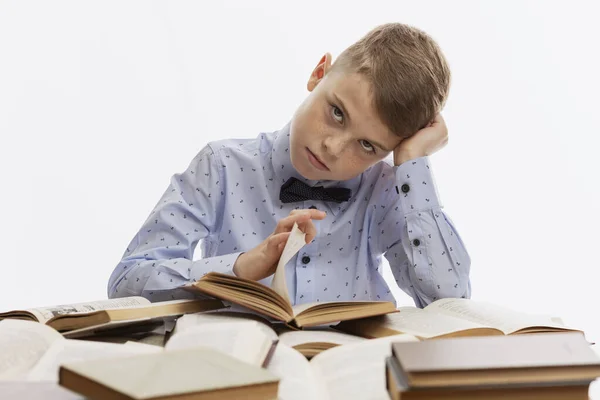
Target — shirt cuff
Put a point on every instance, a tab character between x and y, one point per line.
222	264
416	186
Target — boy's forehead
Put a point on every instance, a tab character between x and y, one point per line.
353	91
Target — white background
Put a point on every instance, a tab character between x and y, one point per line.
101	102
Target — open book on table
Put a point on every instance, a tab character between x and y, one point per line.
195	373
275	302
352	371
84	315
453	318
248	336
34	352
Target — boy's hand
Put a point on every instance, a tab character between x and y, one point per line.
262	260
423	143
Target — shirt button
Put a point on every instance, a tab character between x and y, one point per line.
405	188
305	260
416	242
312	208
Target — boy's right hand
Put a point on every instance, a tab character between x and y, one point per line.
261	261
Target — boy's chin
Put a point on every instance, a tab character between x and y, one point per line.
308	172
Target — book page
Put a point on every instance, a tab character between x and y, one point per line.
44	314
22	345
508	321
36	391
295	242
356	371
248	341
294	338
297	379
414	321
69	350
190	321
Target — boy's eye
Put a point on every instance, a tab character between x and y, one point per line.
338	114
368	147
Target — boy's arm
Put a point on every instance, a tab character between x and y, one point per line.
158	261
426	254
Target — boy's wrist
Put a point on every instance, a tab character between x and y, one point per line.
400	157
237	266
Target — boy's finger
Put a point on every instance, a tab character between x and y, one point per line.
314	213
309	229
287	223
275	241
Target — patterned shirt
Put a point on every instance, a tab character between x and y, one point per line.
228	198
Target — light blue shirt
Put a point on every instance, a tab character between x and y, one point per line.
228	198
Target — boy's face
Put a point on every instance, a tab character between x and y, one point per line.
336	134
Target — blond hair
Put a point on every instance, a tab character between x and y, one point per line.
409	75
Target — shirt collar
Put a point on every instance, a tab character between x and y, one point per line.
283	169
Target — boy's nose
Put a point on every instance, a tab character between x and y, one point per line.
334	145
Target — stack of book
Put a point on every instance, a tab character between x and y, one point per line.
535	366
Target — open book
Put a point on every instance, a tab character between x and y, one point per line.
275	302
197	373
34	352
453	318
352	371
84	315
248	336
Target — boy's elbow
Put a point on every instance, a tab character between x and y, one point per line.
117	281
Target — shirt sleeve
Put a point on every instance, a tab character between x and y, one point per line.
427	256
158	260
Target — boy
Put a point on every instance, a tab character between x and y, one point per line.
324	170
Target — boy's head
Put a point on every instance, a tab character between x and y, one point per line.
379	91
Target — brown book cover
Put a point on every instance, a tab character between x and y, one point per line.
192	374
69	317
534	358
397	390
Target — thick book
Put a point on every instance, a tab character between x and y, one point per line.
559	359
275	303
452	317
397	390
192	374
84	315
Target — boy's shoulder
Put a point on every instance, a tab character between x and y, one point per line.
229	146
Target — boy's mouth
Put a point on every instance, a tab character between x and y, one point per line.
315	161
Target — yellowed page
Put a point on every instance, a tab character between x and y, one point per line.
356	371
294	338
44	314
22	345
418	322
507	320
190	321
69	350
248	341
299	308
295	242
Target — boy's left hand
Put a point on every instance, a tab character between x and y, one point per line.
423	143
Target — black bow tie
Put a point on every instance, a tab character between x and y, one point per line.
294	190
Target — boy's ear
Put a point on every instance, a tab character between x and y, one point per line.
319	72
